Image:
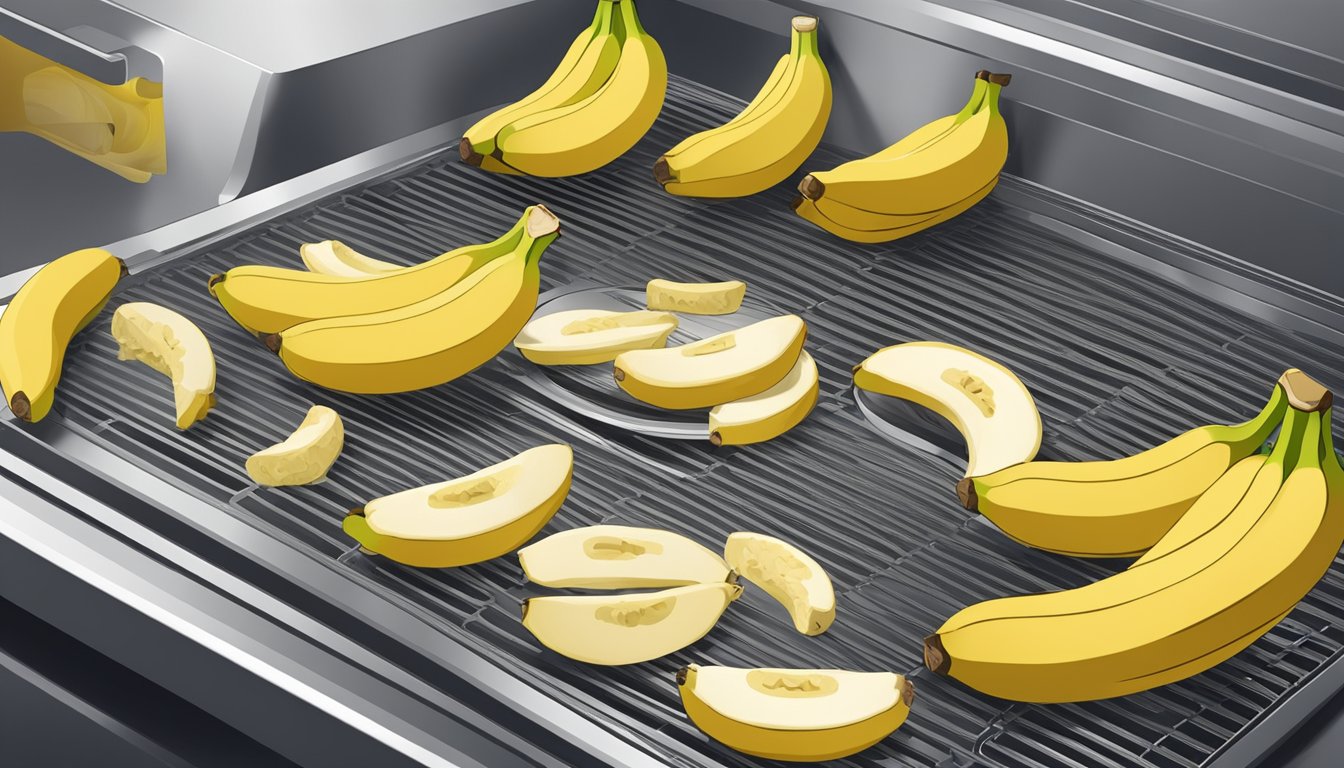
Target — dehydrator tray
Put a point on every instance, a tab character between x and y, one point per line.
1117	359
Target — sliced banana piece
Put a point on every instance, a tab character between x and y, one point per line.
587	336
770	414
305	456
471	519
172	345
795	714
722	298
787	574
332	257
627	629
619	557
986	402
719	369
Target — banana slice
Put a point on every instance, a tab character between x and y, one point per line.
795	714
787	574
627	629
618	557
986	402
770	414
470	519
719	369
332	257
696	298
586	336
305	456
172	345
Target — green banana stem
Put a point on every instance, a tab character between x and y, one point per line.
1289	443
991	102
977	96
1268	418
804	42
605	18
1309	454
630	26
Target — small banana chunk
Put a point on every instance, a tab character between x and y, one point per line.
787	574
172	345
722	298
305	456
587	336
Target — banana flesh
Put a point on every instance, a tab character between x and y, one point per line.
771	413
332	257
588	336
787	574
620	557
722	298
768	141
38	324
305	456
172	345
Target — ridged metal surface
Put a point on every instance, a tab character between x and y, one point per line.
1117	360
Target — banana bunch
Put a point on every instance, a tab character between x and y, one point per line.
1232	567
1117	508
39	322
926	178
596	105
768	140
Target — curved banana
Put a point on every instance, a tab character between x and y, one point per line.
172	345
620	557
590	133
925	135
265	299
1174	615
937	176
585	68
787	574
805	715
771	413
332	257
807	209
588	336
761	150
1122	507
37	326
774	88
428	342
305	456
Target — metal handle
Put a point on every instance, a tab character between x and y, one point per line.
111	68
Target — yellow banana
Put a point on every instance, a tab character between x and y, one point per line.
266	299
37	326
590	133
937	176
586	67
1175	615
761	150
1122	507
925	135
774	88
425	343
807	209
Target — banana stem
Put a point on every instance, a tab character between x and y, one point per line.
803	41
630	26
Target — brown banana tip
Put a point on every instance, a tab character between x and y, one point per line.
733	578
21	407
662	172
356	512
272	342
541	222
618	373
1305	393
715	439
681	676
1000	78
907	691
811	187
966	493
498	154
796	202
983	74
213	281
935	656
469	154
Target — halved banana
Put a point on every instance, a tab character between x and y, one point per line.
332	257
795	714
787	574
305	456
627	629
986	402
586	336
471	519
619	557
719	369
722	298
770	414
172	345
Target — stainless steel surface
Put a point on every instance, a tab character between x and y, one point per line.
108	66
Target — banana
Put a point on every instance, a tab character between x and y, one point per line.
332	257
937	176
471	519
719	369
807	209
305	456
1122	507
588	336
585	68
722	298
590	133
758	151
787	574
771	413
627	629
771	92
428	342
925	135
39	322
1179	613
620	557
266	299
804	715
984	400
172	345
